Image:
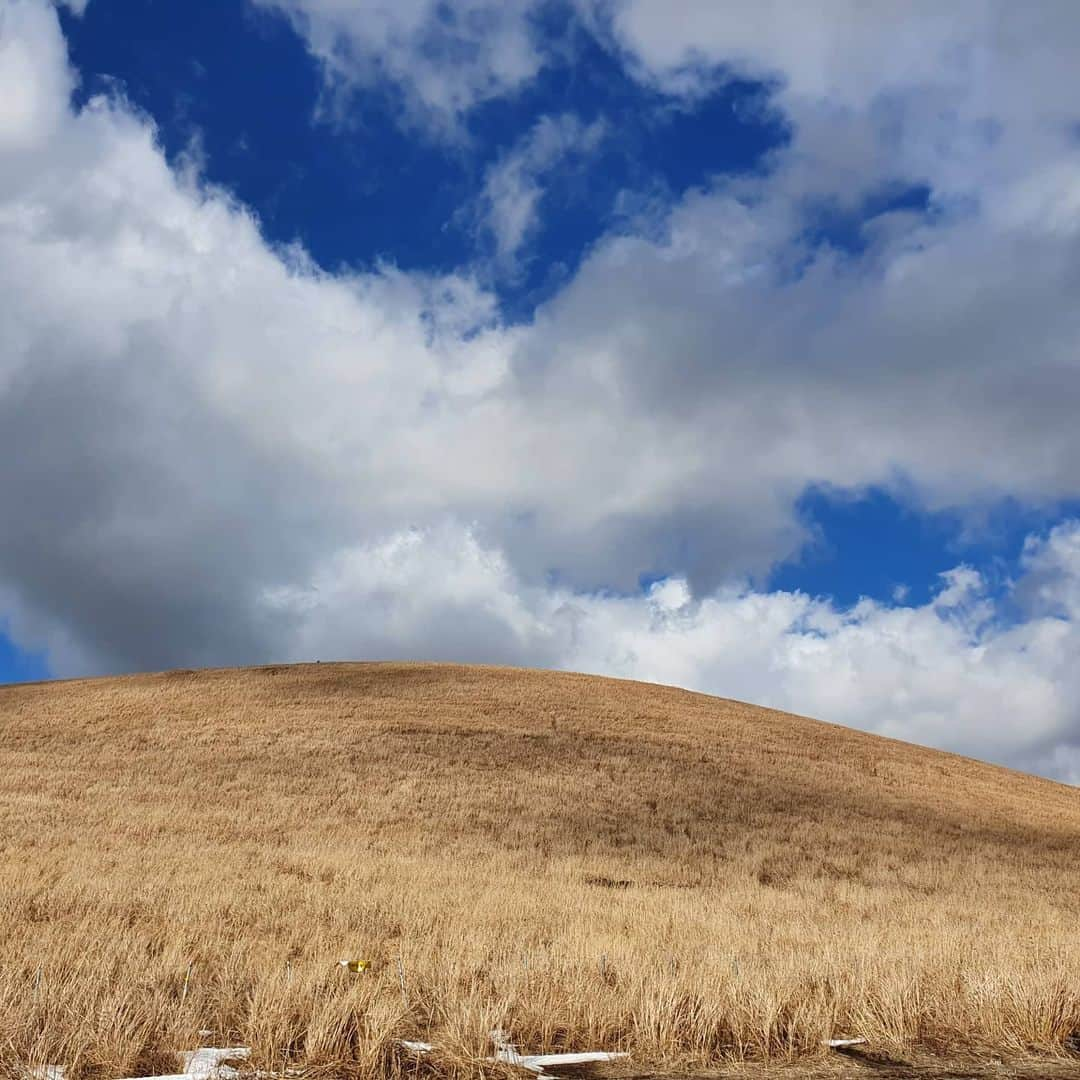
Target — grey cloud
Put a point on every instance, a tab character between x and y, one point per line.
138	522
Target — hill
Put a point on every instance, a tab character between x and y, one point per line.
590	863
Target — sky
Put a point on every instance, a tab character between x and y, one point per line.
737	350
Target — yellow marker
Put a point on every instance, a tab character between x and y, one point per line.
355	965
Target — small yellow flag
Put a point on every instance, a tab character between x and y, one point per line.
355	965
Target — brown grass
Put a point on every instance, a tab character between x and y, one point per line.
587	862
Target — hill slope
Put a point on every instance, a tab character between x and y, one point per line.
583	860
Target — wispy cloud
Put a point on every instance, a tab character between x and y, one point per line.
509	205
440	59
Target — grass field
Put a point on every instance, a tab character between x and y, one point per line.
589	863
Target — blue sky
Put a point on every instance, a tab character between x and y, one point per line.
238	85
736	351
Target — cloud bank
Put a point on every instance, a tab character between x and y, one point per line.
952	673
223	454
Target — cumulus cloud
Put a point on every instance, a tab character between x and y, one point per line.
220	453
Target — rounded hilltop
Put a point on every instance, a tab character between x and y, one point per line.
586	862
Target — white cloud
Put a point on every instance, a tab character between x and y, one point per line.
34	79
219	453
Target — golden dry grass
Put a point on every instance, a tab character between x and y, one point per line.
587	862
